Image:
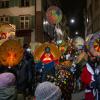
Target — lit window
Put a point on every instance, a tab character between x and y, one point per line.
24	22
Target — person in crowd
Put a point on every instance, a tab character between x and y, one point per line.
87	77
7	86
30	59
24	72
47	91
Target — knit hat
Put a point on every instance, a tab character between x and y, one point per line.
47	91
7	79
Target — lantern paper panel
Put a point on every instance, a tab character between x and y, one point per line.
11	53
54	15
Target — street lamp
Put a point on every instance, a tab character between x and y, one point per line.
76	33
72	21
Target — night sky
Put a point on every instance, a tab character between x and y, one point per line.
74	9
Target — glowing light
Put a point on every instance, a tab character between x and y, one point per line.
72	21
87	20
76	33
45	22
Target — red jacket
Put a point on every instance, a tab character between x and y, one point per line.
87	75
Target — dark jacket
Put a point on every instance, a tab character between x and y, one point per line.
21	72
24	72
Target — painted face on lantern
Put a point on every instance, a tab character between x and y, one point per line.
47	50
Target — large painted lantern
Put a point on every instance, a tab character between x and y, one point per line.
79	42
54	15
11	53
95	44
40	51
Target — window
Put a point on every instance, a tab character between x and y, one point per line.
4	19
24	22
24	3
4	4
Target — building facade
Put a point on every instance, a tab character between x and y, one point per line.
88	18
22	14
39	36
93	16
96	15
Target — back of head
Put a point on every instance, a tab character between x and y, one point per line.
7	79
25	46
7	88
47	91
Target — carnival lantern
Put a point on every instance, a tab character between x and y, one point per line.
48	54
95	45
79	42
41	49
64	79
11	53
54	15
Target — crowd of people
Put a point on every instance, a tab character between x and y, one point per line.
28	81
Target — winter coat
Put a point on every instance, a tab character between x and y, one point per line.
45	69
24	74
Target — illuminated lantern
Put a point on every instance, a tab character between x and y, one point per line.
79	42
11	53
54	15
95	45
41	49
